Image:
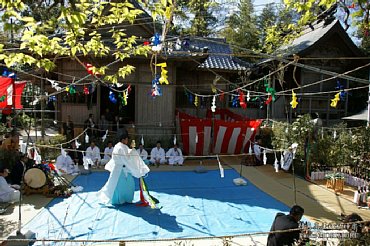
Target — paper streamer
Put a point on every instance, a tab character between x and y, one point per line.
174	140
86	138
142	140
264	157
276	164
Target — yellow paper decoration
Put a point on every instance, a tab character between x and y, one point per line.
214	89
196	101
294	102
335	100
164	72
67	88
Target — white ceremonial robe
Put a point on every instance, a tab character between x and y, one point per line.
175	156
65	164
257	151
7	193
126	159
157	154
107	155
143	154
93	155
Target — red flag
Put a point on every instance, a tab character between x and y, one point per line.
10	96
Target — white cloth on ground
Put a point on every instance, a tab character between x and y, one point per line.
124	159
7	193
93	154
175	156
65	164
157	154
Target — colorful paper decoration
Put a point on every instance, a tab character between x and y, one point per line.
213	108
235	102
8	74
156	42
54	85
294	102
112	97
191	99
90	69
2	98
214	89
124	97
156	90
268	101
196	101
86	90
335	100
242	100
248	96
343	93
164	77
71	89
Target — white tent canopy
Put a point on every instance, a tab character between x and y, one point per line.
360	116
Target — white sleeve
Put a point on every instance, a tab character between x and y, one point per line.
169	152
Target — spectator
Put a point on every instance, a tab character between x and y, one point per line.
109	115
174	156
91	126
8	193
93	154
75	154
68	128
66	165
286	222
103	125
157	155
107	153
143	153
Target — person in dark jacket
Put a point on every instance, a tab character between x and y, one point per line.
285	222
75	154
17	172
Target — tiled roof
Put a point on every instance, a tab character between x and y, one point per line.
219	54
218	58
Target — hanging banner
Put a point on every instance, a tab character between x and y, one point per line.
11	96
196	136
234	137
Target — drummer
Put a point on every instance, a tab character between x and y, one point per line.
17	172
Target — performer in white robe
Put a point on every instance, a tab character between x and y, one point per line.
107	153
8	193
143	154
124	165
65	164
174	156
93	154
157	155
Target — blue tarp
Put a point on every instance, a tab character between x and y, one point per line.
193	205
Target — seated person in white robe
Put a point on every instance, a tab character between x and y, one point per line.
93	154
107	153
143	154
174	156
8	193
157	155
65	164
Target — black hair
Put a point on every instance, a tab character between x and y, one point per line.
124	135
158	142
296	210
